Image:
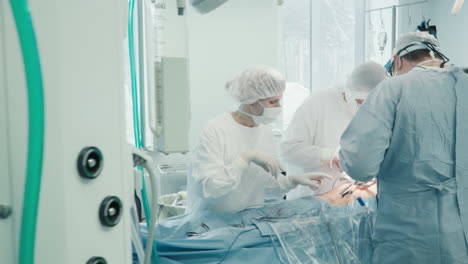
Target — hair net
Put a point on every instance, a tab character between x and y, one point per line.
364	78
255	83
412	41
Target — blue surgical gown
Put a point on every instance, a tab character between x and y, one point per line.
412	135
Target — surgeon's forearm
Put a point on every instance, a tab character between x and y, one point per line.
359	169
274	184
222	180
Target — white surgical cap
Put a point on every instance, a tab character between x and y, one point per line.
256	83
364	78
411	41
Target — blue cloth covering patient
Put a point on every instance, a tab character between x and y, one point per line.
305	230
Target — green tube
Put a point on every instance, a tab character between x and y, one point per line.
136	122
32	187
144	194
136	108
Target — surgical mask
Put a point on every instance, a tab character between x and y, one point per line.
269	115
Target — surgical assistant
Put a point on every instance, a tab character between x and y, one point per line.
412	134
311	141
234	166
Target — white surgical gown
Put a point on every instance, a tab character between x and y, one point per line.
412	134
318	123
216	182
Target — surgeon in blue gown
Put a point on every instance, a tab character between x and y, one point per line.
412	135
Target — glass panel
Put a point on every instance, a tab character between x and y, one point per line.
318	47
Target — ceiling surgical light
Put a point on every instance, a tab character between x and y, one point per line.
206	6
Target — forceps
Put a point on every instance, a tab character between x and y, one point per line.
346	190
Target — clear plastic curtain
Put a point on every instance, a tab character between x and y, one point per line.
340	235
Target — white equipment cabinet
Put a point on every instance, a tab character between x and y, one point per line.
81	53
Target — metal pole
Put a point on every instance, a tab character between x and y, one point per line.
396	6
394	28
311	67
141	70
360	32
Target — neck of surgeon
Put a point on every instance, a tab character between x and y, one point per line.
242	118
419	58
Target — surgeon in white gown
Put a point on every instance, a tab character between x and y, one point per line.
312	139
234	165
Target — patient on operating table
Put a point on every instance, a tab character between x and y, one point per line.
325	228
348	191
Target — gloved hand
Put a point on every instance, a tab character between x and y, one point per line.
329	160
312	179
268	163
345	193
335	164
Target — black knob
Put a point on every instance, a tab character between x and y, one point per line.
5	211
97	260
110	211
90	162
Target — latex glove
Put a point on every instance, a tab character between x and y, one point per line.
313	180
268	163
337	197
329	159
